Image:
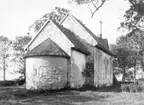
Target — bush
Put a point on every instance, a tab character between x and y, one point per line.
19	82
12	82
7	83
132	87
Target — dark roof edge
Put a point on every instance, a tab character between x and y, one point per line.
46	55
86	53
106	51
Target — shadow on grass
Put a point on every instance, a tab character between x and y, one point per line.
57	97
114	88
61	97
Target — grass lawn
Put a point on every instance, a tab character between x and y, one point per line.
18	96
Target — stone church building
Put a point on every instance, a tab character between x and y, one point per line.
69	55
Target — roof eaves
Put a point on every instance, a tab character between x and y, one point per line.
26	56
85	52
106	51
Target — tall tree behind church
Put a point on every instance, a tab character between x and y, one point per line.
4	53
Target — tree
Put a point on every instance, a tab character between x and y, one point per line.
134	16
136	38
97	4
121	62
124	57
56	15
129	51
19	53
4	54
136	45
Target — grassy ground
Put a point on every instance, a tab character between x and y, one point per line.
18	96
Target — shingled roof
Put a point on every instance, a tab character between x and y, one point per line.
48	47
102	43
78	45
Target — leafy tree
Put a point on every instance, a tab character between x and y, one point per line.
124	57
19	53
136	38
56	15
97	4
121	62
4	54
134	16
136	45
129	52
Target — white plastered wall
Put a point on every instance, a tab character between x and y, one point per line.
46	72
53	32
103	73
78	65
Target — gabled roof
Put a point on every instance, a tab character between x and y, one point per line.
48	47
78	45
101	42
47	22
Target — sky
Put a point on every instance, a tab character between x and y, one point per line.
17	15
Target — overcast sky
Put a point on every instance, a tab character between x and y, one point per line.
17	15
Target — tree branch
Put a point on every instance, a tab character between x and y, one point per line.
94	4
90	9
98	8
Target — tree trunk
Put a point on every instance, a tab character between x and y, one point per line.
25	71
142	63
135	74
135	69
123	79
4	69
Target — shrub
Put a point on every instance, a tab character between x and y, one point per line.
19	82
86	73
125	88
7	83
89	69
132	87
12	82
